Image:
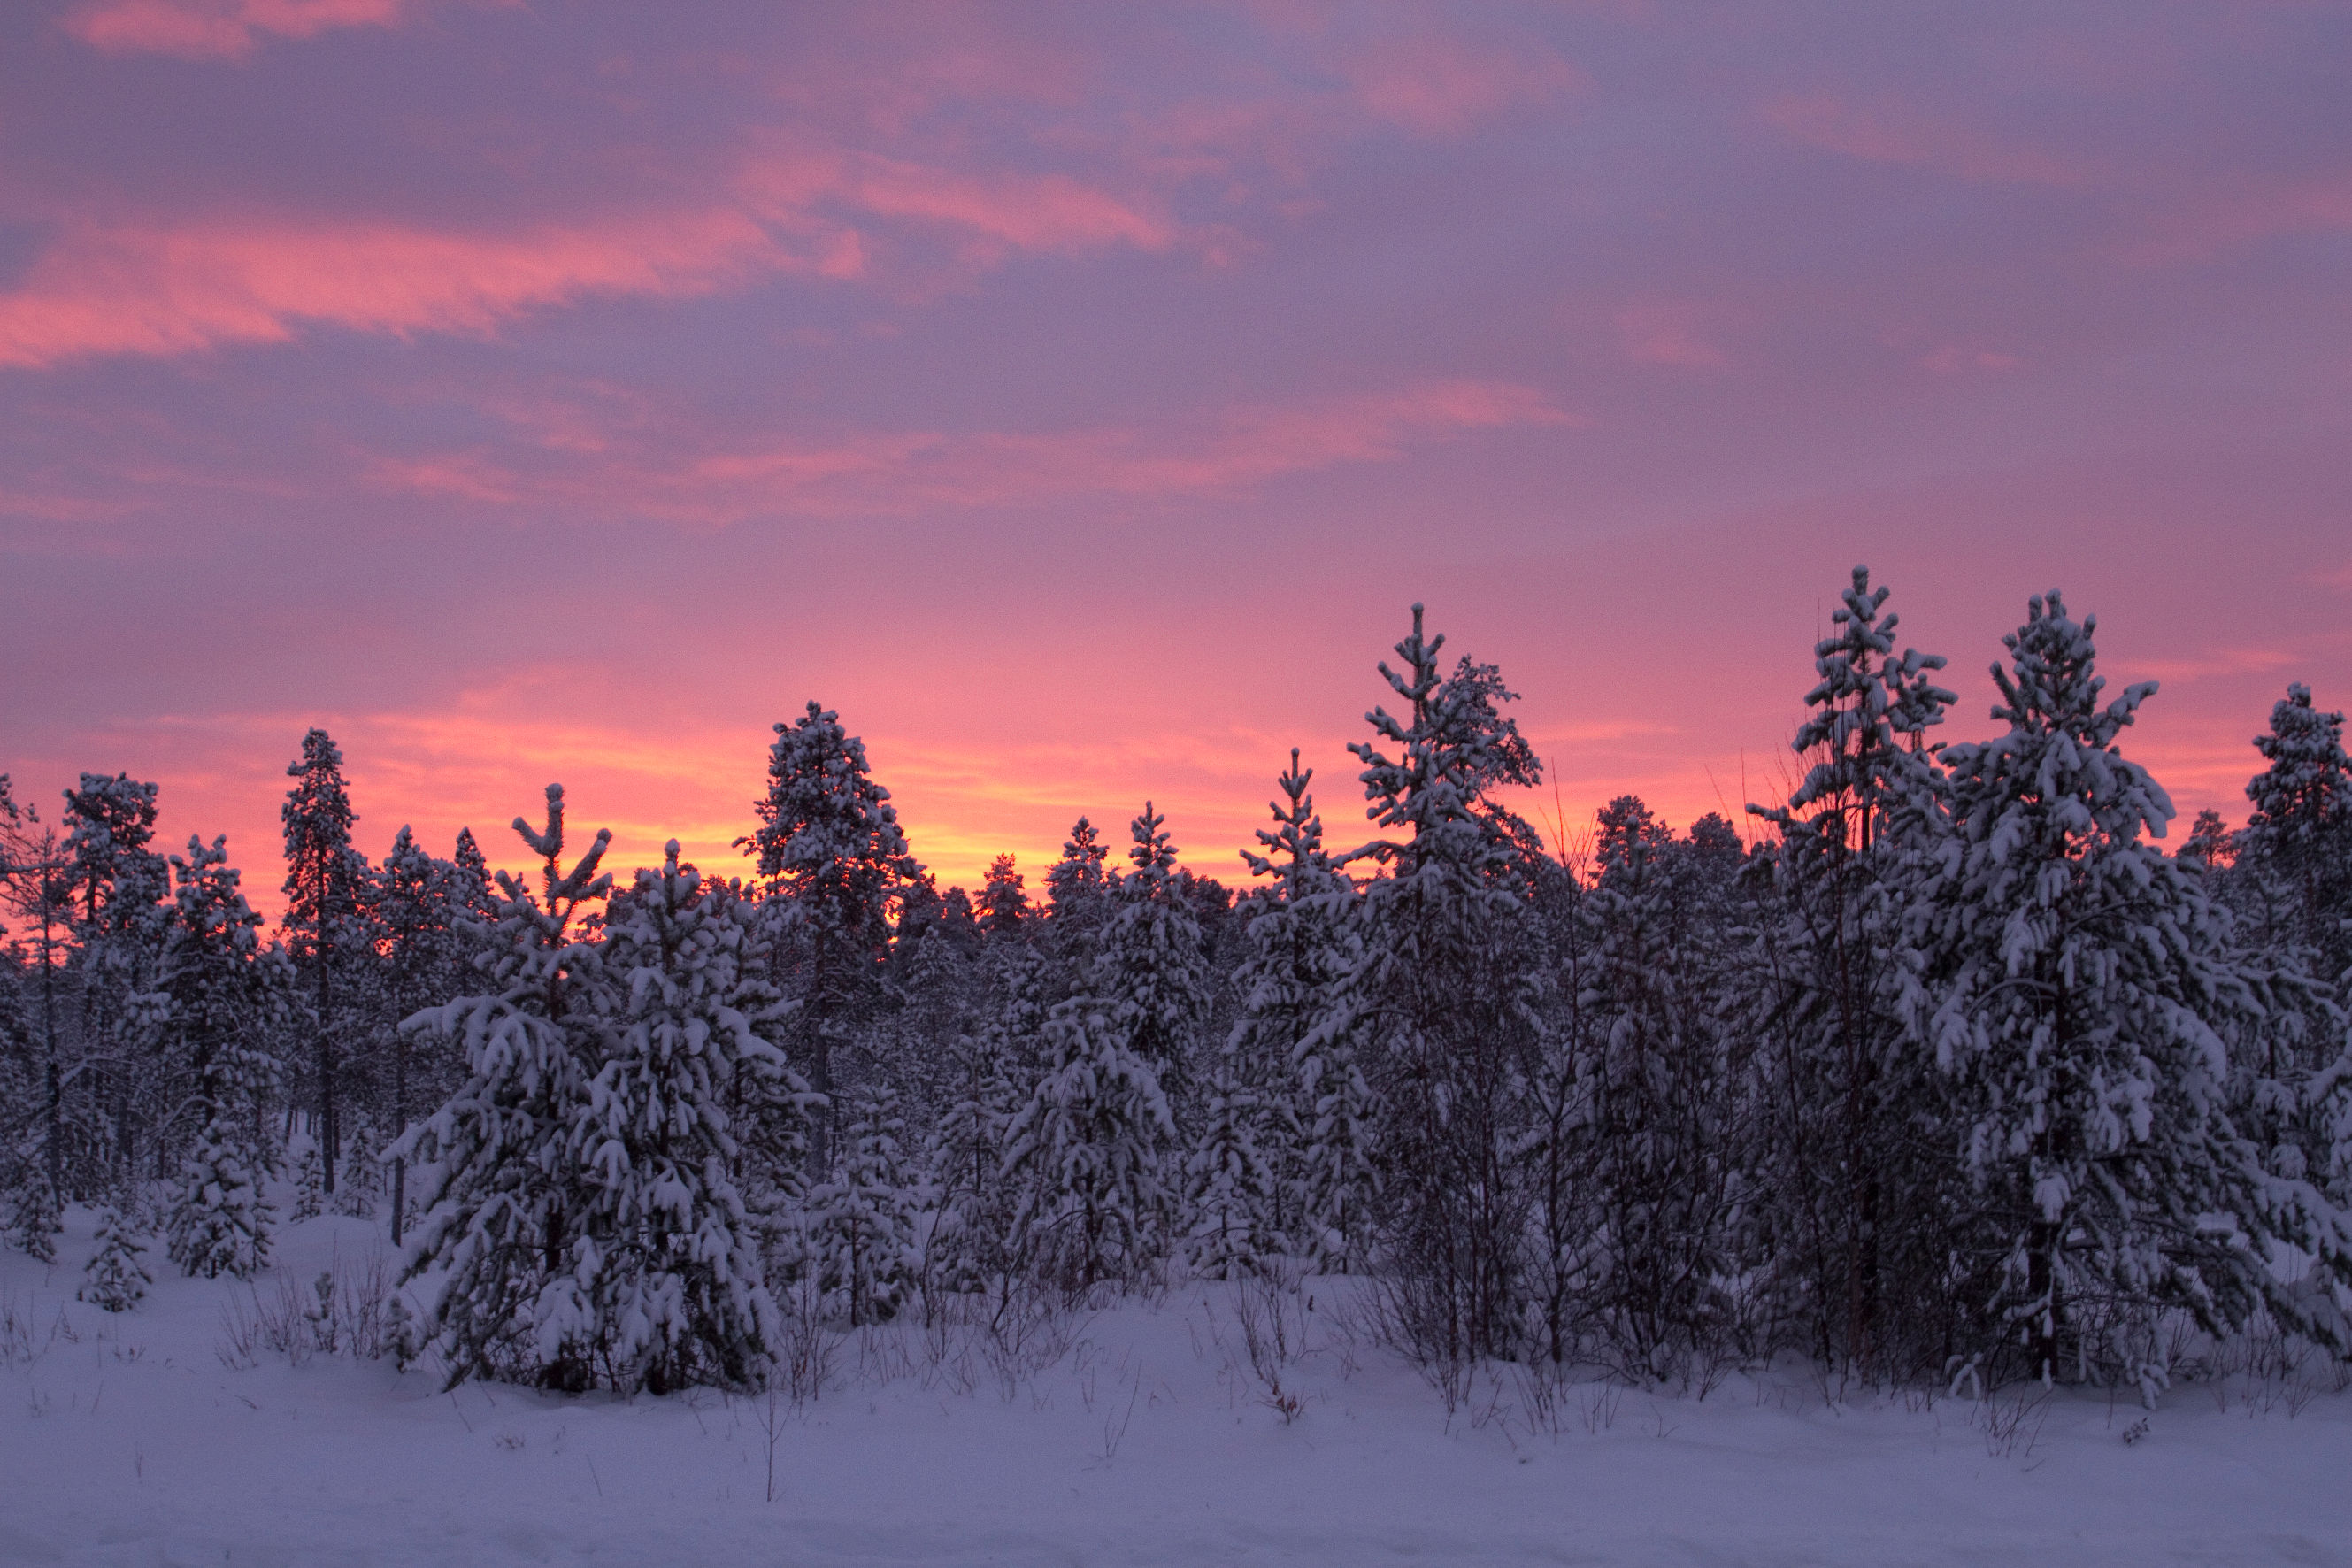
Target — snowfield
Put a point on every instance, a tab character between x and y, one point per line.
1149	1439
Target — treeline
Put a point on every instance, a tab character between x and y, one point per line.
1951	1075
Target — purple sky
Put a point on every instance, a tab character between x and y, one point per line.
1076	397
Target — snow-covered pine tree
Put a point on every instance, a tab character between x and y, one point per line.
1294	1044
1089	1154
2073	983
1230	1191
837	864
1853	1105
1450	987
121	894
2290	881
416	909
1003	901
993	1072
935	986
1149	973
471	889
506	1188
972	1217
323	877
662	1270
2299	840
1076	888
2210	842
863	1217
211	1007
1664	1125
115	1279
32	882
309	1183
361	1184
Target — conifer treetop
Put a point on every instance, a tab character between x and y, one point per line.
2059	760
2307	788
824	814
1453	745
318	818
1867	698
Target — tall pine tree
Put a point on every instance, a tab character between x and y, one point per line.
507	1186
2074	985
211	1002
323	876
837	865
1451	985
665	1271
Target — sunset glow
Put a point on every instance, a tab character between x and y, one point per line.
1076	398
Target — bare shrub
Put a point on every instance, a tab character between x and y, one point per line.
807	1347
345	1311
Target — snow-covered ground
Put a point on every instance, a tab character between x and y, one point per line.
129	1439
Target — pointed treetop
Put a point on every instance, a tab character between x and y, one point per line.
2059	764
824	814
1003	902
2307	787
1297	837
1154	855
1079	872
548	843
583	881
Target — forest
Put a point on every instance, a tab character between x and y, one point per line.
1952	1068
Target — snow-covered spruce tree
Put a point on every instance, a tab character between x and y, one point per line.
1450	987
1148	972
1294	1044
1230	1195
992	1071
121	898
2071	982
33	1168
837	864
936	989
972	1217
1853	1110
506	1188
662	1281
211	1005
323	877
1668	1143
309	1183
115	1279
417	906
1077	889
2298	842
362	1182
2291	885
1003	902
863	1217
1088	1154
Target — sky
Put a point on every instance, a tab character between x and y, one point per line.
1077	398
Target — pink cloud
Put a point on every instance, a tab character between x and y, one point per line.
114	287
1439	87
1668	332
1033	213
2241	209
1889	134
217	29
135	289
899	472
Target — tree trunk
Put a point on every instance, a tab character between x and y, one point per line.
330	1144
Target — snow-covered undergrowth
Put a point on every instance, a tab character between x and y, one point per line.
247	1423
